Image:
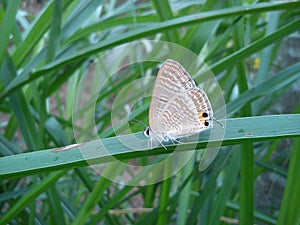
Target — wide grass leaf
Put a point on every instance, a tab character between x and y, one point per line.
238	130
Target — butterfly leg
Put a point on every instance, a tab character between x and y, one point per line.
177	141
150	143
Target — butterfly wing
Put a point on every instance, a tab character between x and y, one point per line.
171	80
187	113
178	108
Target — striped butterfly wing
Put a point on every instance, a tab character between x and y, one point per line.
186	114
177	107
171	80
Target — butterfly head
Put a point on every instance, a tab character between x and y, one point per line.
151	137
147	132
157	136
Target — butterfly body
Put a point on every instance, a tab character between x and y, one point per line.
178	107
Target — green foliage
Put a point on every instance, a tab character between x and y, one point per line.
44	58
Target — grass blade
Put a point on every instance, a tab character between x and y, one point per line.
7	25
289	210
254	129
175	23
30	196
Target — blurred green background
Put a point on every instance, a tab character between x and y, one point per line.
46	47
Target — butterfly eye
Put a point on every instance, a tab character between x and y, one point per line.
206	123
147	132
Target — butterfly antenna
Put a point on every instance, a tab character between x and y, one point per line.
218	122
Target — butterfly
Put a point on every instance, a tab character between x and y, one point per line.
178	107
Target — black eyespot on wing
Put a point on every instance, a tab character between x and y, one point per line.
206	123
205	114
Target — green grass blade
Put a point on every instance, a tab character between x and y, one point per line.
7	147
21	108
258	45
106	24
289	209
7	26
184	196
151	218
33	35
55	31
238	130
109	205
30	196
79	15
247	155
164	13
55	206
266	54
38	29
164	201
284	78
262	217
174	23
229	173
96	194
